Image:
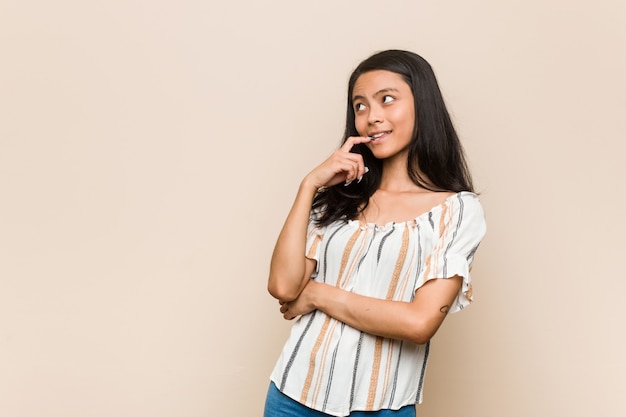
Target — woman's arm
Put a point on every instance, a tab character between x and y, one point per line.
416	321
289	269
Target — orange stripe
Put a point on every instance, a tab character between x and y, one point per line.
316	348
357	256
427	262
388	368
406	278
320	374
442	231
371	395
398	268
379	341
314	246
318	343
442	219
346	255
344	264
411	262
433	257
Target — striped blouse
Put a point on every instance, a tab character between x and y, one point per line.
334	368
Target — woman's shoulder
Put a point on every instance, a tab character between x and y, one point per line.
464	196
466	201
446	200
465	210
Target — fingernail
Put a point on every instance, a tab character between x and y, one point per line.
361	177
347	183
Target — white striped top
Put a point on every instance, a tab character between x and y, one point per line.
334	368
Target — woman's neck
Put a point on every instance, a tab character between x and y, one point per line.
395	176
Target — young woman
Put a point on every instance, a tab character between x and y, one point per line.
375	251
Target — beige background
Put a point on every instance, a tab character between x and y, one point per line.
149	151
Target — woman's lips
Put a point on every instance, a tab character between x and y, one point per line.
379	136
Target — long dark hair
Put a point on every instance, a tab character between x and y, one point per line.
436	160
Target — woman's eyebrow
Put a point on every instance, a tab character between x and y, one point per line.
385	90
376	94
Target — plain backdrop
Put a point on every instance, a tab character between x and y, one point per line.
150	150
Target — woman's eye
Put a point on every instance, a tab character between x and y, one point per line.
387	99
359	106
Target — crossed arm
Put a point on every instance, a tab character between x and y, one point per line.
416	321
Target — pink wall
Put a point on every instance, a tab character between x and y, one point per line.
149	152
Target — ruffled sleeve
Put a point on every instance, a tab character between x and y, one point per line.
460	229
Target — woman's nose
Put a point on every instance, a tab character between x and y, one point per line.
375	115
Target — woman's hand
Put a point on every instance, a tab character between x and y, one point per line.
302	305
342	165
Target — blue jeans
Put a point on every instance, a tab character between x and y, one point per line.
278	404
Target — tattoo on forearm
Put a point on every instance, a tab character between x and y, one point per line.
445	309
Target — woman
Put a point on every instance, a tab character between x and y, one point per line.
375	251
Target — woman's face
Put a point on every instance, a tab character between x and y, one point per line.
384	110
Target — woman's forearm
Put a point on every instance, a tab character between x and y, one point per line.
416	321
288	267
393	319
